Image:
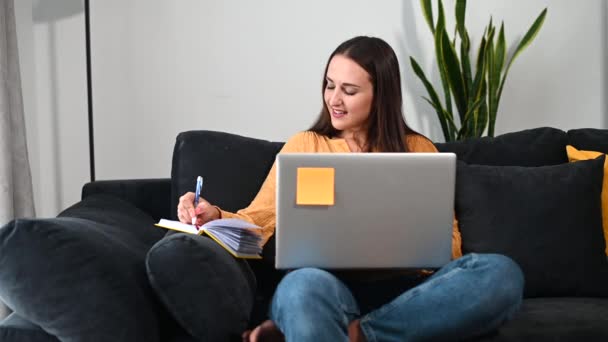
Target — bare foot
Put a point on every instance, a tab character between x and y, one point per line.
355	334
265	332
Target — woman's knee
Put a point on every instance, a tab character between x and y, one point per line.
504	268
307	281
505	276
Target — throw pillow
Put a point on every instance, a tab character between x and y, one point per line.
82	276
548	219
531	147
578	155
208	292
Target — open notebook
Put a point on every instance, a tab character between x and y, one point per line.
240	238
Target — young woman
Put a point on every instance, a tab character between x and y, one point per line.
470	296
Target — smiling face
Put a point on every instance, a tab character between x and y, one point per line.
348	96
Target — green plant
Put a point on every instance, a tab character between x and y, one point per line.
476	96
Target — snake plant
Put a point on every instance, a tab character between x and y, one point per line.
475	93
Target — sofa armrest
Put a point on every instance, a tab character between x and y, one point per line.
153	196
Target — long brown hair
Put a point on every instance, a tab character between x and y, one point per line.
387	129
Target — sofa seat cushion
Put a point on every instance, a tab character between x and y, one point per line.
82	276
557	319
548	219
16	329
531	147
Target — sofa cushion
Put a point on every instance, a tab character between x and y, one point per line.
556	319
590	139
578	155
16	329
82	276
532	147
232	166
208	292
548	219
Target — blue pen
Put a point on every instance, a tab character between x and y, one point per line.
197	194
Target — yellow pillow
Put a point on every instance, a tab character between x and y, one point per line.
577	155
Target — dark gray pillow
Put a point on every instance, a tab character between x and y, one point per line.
531	147
16	329
548	219
208	292
590	139
82	276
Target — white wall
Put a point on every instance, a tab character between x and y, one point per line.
254	68
52	56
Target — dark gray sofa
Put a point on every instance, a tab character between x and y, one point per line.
82	276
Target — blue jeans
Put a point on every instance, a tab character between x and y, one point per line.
468	297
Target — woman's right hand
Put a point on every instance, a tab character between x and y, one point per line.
204	211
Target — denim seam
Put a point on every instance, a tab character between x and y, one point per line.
388	308
368	332
348	311
352	310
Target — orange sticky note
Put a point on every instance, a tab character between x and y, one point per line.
315	186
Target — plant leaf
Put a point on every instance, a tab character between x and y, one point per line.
490	26
480	71
493	79
454	75
440	15
490	35
465	62
482	112
471	120
461	6
448	134
435	102
500	53
483	115
449	120
479	84
427	11
452	125
439	36
529	36
474	124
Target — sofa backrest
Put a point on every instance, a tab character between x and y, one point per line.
531	147
233	167
589	139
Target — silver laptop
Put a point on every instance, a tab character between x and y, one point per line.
390	210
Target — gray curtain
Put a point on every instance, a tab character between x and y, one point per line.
15	176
